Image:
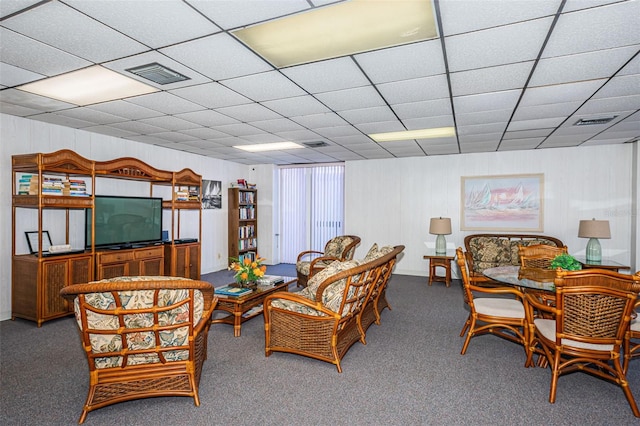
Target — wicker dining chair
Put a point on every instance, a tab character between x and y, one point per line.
340	248
143	336
589	325
632	341
539	255
501	316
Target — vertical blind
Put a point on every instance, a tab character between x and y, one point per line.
311	208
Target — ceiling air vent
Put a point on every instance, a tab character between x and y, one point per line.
593	121
158	73
315	144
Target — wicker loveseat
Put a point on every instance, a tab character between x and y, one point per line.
324	319
164	322
485	251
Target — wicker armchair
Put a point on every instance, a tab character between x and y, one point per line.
165	322
323	320
311	261
539	255
592	314
632	341
503	317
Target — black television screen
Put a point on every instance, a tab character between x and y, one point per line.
124	221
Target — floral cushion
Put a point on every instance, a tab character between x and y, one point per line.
515	254
375	253
490	252
332	295
139	340
336	247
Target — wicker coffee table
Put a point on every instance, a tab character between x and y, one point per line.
243	308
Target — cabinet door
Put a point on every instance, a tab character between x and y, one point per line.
54	275
112	270
181	261
80	271
193	267
152	267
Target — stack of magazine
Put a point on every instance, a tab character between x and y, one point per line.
270	280
232	291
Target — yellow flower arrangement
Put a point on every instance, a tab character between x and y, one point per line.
248	271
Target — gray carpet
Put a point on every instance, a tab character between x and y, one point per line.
410	372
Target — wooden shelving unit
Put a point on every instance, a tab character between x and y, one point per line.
37	280
243	222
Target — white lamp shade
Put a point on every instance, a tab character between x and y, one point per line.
440	226
594	229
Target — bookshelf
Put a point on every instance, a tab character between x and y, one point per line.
65	182
243	223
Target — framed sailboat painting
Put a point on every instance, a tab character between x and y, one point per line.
502	203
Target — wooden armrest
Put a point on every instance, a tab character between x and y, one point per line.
532	301
497	290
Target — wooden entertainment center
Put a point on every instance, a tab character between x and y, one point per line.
36	279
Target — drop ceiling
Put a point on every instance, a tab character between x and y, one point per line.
507	74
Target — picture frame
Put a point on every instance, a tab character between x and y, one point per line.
502	203
32	241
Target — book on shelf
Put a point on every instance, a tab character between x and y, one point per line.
228	290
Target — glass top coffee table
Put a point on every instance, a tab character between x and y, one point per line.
243	308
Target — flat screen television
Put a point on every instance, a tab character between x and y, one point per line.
123	222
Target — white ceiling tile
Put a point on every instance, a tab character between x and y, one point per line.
607	141
543	123
62	27
138	127
579	67
472	139
13	76
555	141
203	144
204	133
326	76
428	122
61	120
233	14
497	46
150	140
620	86
456	15
525	134
563	109
381	127
478	129
122	65
20	111
360	97
7	7
92	116
632	67
320	120
592	29
298	135
335	132
277	125
170	123
249	112
486	102
211	95
125	109
264	86
110	131
442	150
483	117
525	143
423	108
173	136
207	118
481	146
403	62
492	79
368	115
165	102
419	89
293	107
352	140
29	100
263	138
609	105
239	129
572	5
154	23
35	56
579	91
200	54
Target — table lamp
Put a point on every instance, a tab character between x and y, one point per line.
594	229
440	226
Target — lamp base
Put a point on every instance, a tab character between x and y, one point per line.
441	245
594	251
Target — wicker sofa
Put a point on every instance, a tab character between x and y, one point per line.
324	319
164	322
485	251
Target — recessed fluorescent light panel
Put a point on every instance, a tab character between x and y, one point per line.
340	29
269	146
88	86
438	132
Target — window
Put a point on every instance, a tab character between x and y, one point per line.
311	208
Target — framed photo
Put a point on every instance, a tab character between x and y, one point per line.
211	194
502	203
32	240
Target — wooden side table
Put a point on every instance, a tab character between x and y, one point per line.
442	261
604	264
